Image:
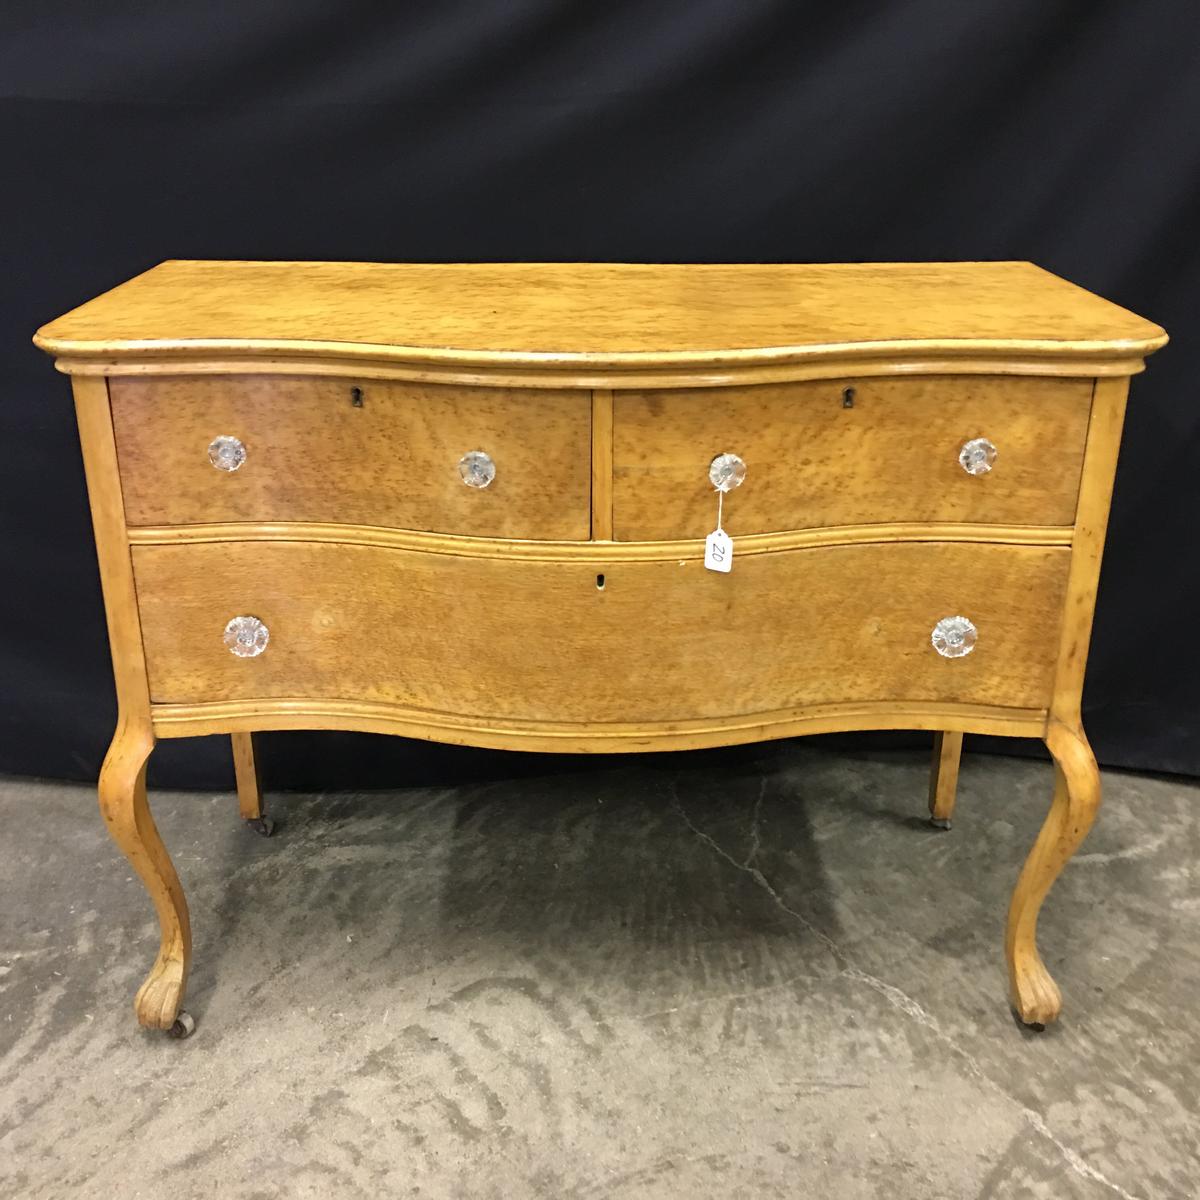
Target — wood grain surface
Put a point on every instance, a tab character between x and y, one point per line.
543	315
1035	996
109	524
246	776
122	783
892	456
401	601
943	775
657	641
599	552
561	737
312	455
1087	548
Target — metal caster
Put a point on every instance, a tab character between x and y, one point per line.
185	1026
940	822
263	826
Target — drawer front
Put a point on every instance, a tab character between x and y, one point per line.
660	641
387	455
815	457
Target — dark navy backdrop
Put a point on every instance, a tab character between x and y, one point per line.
1062	132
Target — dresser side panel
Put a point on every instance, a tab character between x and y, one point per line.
1087	546
94	417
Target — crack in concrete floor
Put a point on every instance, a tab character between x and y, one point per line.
896	997
552	986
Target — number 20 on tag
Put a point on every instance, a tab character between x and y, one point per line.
718	551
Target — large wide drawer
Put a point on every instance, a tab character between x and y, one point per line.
584	639
849	452
367	453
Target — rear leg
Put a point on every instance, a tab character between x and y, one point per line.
943	778
249	785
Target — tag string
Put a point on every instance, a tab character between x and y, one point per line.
720	509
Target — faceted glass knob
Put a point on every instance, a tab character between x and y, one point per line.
726	472
226	453
954	637
977	457
246	637
477	469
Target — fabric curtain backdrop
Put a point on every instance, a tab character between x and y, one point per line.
1062	132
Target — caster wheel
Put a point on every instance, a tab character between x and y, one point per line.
185	1026
263	826
940	822
1027	1026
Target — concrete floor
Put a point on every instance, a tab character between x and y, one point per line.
742	974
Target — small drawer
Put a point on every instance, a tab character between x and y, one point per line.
976	449
259	448
613	640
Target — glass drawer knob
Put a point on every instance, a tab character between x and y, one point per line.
247	637
726	472
477	469
226	453
977	457
954	637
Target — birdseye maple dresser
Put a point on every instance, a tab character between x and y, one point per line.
590	507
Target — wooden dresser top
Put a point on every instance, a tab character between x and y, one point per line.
596	315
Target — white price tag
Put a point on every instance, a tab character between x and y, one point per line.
718	551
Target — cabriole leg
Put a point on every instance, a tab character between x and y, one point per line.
249	785
127	815
1035	996
943	777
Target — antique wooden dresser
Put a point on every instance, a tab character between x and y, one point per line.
599	507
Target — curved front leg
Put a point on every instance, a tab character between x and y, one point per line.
127	815
1035	996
